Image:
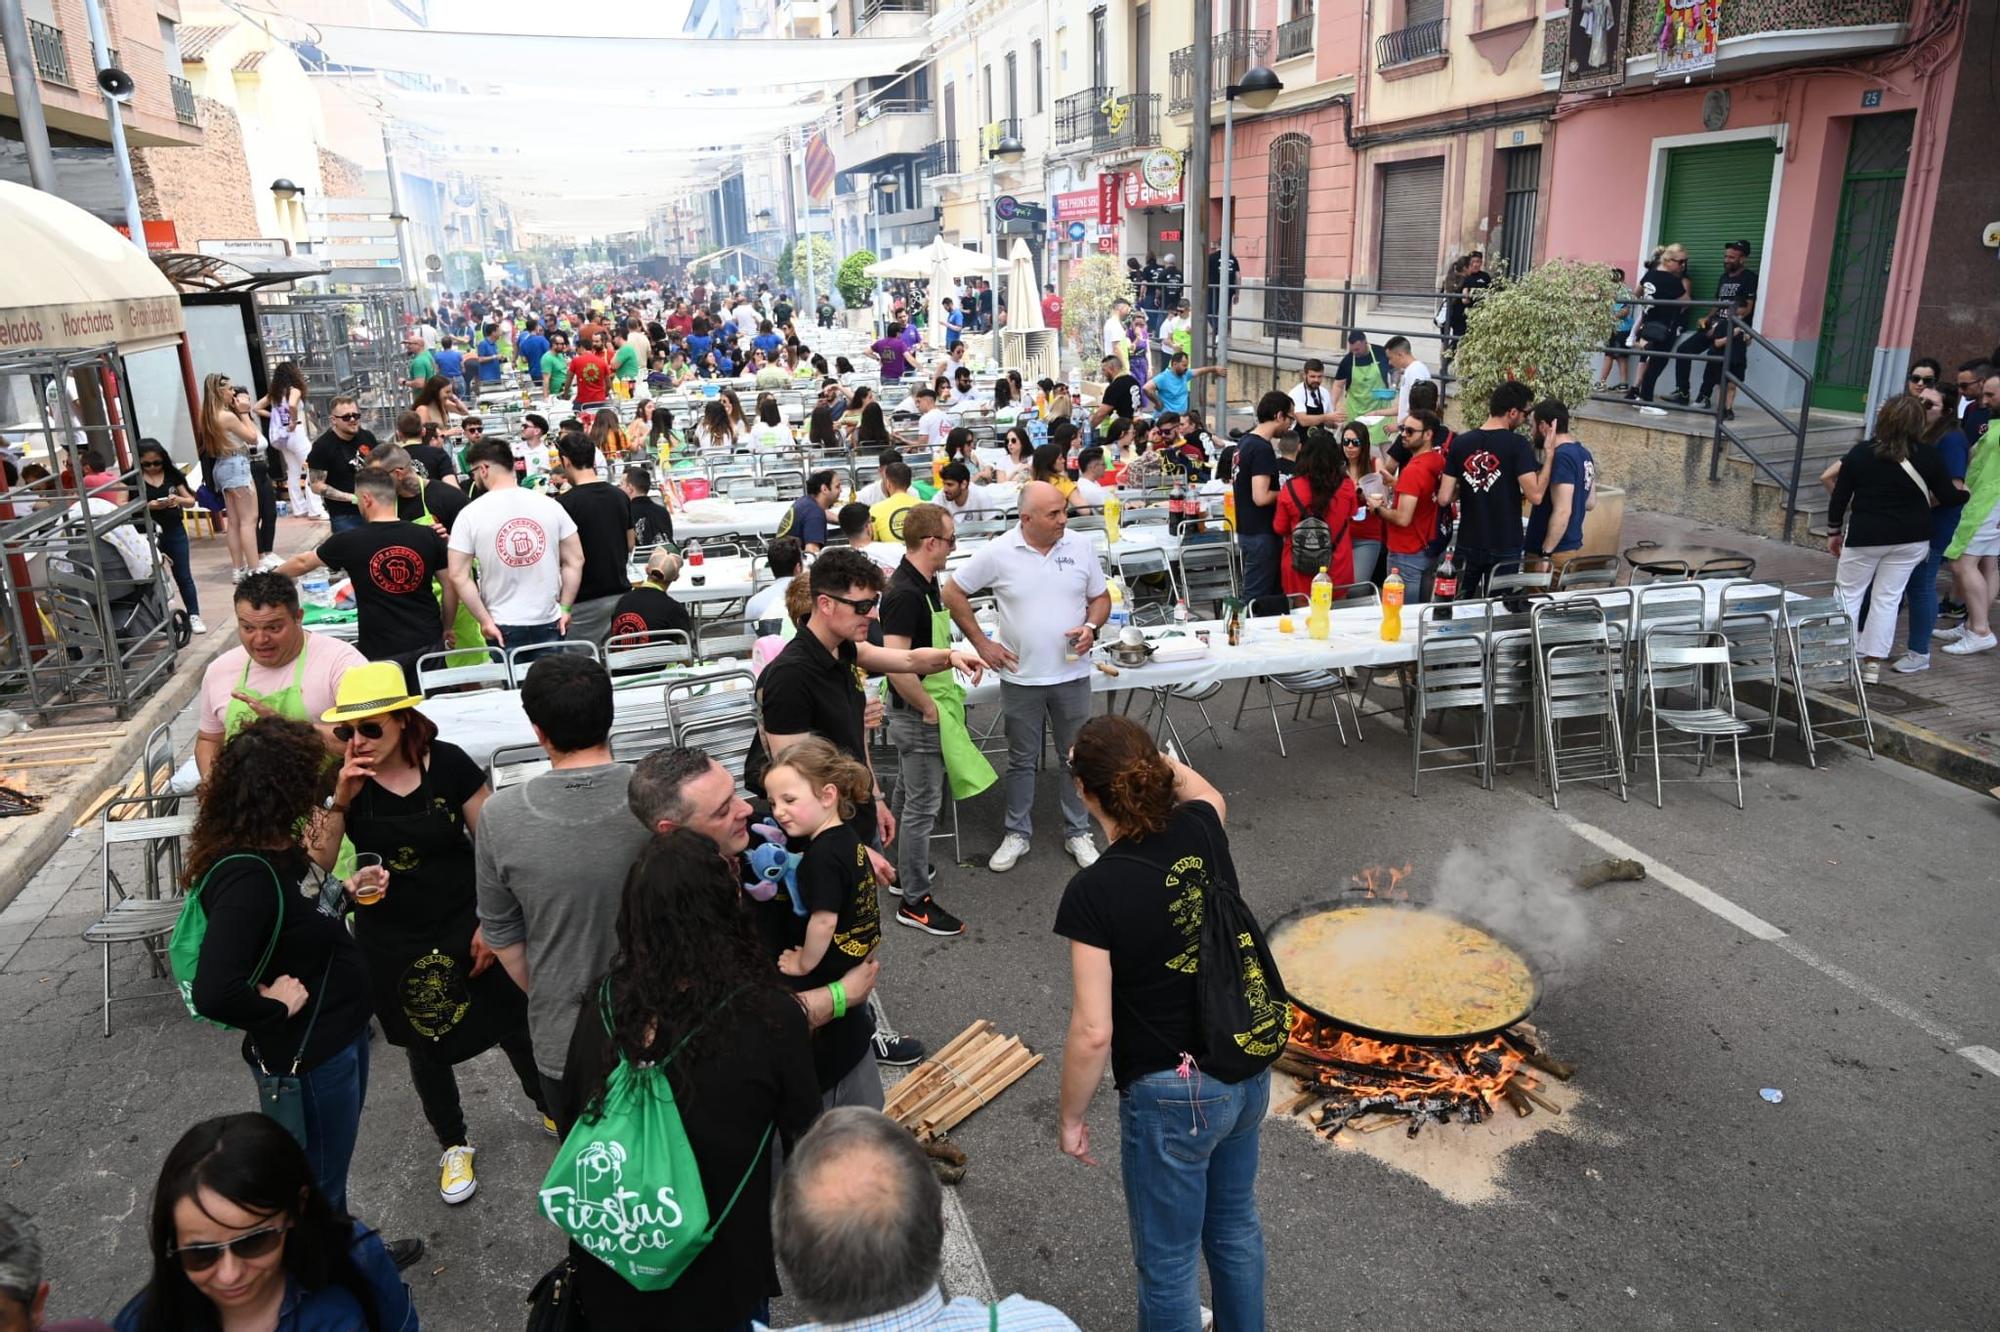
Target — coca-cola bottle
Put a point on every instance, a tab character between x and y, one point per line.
1444	586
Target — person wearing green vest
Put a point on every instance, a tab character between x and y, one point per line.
555	365
926	720
422	364
1360	381
278	670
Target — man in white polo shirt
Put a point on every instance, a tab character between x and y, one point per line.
1053	603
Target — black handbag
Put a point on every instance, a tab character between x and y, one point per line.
282	1096
552	1305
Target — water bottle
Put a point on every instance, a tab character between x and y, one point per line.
1120	615
1181	612
697	573
316	589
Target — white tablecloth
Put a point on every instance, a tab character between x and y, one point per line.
702	519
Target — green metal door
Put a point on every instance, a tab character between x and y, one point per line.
1716	193
1864	246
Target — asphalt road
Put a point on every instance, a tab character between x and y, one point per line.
1670	1196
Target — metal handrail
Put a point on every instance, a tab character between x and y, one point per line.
1079	115
1231	54
1419	41
941	158
870	10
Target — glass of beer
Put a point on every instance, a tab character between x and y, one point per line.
369	881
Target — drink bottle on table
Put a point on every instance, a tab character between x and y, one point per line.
1319	617
1392	607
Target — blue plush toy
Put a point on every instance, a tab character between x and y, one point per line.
773	865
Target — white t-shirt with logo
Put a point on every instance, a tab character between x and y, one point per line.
516	535
933	426
1040	597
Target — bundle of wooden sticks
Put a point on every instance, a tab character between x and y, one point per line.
975	1067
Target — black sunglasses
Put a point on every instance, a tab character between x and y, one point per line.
859	605
475	430
347	416
369	731
251	1244
1923	379
153	466
1407	431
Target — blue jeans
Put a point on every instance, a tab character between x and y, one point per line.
528	635
335	1090
1414	569
1260	565
174	545
1921	596
1188	1152
1367	554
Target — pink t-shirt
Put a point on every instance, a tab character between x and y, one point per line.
327	659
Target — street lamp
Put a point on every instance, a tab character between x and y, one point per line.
886	185
1259	88
1008	151
283	191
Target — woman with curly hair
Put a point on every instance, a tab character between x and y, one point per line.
692	989
291	978
242	1236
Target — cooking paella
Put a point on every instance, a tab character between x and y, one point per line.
1406	971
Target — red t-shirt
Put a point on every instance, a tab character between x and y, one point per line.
1052	310
680	323
590	377
1419	477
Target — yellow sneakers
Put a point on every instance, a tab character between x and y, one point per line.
549	1127
455	1179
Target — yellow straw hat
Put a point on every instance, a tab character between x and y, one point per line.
369	691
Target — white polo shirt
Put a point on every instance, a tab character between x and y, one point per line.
1040	596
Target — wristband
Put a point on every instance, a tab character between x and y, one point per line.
562	608
839	993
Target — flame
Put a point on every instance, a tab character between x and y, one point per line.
1383	881
1358	1074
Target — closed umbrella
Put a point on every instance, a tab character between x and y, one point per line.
1024	303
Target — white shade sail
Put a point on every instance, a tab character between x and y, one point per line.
71	281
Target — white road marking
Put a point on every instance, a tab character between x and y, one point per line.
965	1272
1758	928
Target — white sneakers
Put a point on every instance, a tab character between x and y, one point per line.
1912	662
270	561
1871	671
1969	643
195	625
455	1178
1012	847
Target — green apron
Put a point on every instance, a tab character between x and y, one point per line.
968	769
465	630
287	702
1362	399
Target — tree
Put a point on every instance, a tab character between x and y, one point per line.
855	286
791	269
1098	284
1544	328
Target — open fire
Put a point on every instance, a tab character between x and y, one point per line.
1360	1084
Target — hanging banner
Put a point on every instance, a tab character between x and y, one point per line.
1594	55
1110	203
819	169
1687	36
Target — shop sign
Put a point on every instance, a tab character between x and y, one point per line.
1159	182
1076	206
1110	210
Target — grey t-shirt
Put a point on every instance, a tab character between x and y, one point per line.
553	853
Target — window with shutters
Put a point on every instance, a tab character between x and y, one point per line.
1410	226
1013	87
1422	11
1285	237
1522	168
1035	57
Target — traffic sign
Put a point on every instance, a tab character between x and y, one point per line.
1077	231
1005	207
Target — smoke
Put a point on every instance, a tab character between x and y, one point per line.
1516	887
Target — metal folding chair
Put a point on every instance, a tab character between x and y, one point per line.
153	824
513	764
520	659
1696	661
490	670
1752	618
1823	649
1589	571
1208	575
1576	659
1307	688
1139	568
716	711
646	651
724	638
1732	566
1451	676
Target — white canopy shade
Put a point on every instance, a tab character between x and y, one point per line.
940	256
73	282
1024	313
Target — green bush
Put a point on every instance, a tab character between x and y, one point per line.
791	267
855	286
1543	328
1098	283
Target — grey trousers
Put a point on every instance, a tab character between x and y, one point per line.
1027	709
862	1086
920	793
589	621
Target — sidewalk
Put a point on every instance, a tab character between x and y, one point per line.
70	785
1945	720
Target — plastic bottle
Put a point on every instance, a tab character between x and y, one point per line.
316	589
697	572
1319	618
1181	615
1444	586
1120	615
1112	512
1235	622
1229	509
1392	607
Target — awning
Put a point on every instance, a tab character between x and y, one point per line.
235	272
71	281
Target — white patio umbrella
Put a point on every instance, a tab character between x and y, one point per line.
1024	311
922	263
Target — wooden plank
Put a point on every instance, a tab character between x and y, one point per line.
54	747
104	798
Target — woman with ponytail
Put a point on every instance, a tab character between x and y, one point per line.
1133	920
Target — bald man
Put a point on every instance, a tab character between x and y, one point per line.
1053	603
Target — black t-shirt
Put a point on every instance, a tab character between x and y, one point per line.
907	606
171	519
758	1072
1254	457
1733	287
340	459
392	565
1487	464
1473	282
834	875
1660	285
807	690
1120	395
646	610
435	461
603	516
1141	902
442	502
651	521
781	314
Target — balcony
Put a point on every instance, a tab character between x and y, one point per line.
51	60
941	158
1231	55
1407	46
1101	121
1295	38
184	109
991	135
887	127
890	18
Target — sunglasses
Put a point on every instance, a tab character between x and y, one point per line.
1923	379
369	731
152	467
859	605
1407	431
347	416
475	430
253	1244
